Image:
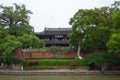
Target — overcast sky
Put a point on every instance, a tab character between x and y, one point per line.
55	13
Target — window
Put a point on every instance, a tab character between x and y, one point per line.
58	36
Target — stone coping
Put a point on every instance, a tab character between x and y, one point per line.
57	72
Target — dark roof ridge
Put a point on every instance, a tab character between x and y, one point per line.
57	29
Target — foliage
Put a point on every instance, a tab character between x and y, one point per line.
52	63
73	64
15	19
12	60
31	41
79	62
66	49
33	63
99	60
3	34
49	49
10	45
14	22
15	30
116	20
94	58
54	49
58	49
91	28
94	40
114	43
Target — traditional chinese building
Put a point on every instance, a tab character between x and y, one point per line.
55	36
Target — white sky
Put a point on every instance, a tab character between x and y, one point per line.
55	13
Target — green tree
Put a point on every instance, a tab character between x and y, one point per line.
31	41
114	43
116	20
3	34
96	38
92	28
15	31
15	19
14	23
84	22
10	45
116	5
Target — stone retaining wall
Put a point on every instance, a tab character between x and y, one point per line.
57	72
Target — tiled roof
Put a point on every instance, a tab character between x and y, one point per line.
55	31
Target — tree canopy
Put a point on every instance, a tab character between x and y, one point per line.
114	43
92	28
15	30
15	19
30	41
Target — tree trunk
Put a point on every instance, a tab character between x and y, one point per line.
78	52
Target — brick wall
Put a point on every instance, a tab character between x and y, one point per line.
45	55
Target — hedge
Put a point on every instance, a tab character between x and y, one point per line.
102	60
51	63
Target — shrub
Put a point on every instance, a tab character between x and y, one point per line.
9	60
59	49
66	49
79	62
54	49
73	64
52	63
49	62
112	60
1	59
33	63
101	60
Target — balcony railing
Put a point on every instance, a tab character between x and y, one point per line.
56	41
